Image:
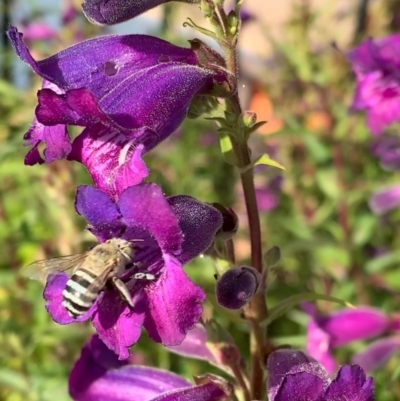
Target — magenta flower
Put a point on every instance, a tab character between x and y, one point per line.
99	376
385	200
326	332
130	92
377	68
174	230
293	376
110	12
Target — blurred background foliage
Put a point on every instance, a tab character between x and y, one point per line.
317	211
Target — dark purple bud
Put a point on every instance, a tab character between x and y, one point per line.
110	12
230	222
237	286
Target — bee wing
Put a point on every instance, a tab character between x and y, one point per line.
41	269
100	280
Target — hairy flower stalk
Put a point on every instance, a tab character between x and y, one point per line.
256	311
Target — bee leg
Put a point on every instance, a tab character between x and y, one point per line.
144	276
123	290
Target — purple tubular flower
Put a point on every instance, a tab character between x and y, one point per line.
194	345
385	200
99	376
173	231
378	353
387	149
293	376
341	328
129	91
109	12
376	65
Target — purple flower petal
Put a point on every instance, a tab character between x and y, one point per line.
92	378
319	347
145	206
285	362
113	159
89	64
378	353
109	12
96	207
211	391
385	200
299	387
117	325
75	107
378	81
350	325
199	223
174	304
351	384
56	138
194	345
53	296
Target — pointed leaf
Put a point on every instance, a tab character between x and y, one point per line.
291	302
264	159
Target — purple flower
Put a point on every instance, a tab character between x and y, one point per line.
293	376
130	92
377	68
109	12
38	31
385	200
99	376
268	195
378	353
174	230
326	332
387	149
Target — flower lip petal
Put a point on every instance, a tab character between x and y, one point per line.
284	362
350	384
96	207
174	304
300	386
145	206
53	295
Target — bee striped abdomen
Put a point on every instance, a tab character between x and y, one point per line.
77	297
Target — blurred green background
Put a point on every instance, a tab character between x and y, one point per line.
317	211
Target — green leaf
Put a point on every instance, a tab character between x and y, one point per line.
226	148
264	159
272	256
291	302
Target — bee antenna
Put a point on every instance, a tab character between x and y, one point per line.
137	240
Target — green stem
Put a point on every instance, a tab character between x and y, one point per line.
256	310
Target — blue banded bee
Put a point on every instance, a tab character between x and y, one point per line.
89	273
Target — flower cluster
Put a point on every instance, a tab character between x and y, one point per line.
129	92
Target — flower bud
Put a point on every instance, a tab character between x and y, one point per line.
236	286
230	222
248	119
